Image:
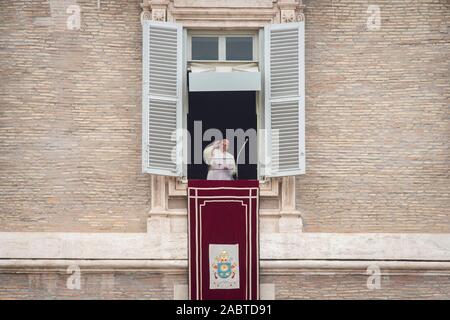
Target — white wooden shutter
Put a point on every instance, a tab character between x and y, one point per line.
284	67
162	98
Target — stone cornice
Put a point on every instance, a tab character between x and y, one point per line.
162	242
231	14
267	266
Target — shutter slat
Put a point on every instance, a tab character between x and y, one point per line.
285	98
161	96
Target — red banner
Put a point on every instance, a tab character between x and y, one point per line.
223	239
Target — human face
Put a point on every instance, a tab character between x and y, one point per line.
225	144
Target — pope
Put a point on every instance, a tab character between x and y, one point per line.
221	163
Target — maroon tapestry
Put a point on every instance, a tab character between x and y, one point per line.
223	239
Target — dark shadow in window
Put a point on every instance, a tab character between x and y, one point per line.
222	110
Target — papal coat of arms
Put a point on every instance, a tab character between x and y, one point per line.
224	266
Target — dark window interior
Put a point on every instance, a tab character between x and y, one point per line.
222	110
239	48
205	48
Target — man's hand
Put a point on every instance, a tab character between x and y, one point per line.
222	144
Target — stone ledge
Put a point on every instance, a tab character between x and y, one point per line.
274	246
267	266
267	189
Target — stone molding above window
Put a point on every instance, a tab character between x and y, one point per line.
223	14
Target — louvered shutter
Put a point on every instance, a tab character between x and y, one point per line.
162	98
284	99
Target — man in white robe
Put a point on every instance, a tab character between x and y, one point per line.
221	163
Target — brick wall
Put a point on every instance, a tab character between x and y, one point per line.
70	118
104	285
153	285
377	118
354	286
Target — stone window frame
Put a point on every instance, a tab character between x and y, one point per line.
230	15
255	34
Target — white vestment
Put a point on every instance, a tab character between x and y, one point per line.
221	164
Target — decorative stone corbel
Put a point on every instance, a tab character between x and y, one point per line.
159	9
291	11
155	10
290	219
158	221
288	16
146	13
159	14
300	16
159	194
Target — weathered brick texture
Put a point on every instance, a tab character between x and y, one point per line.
104	285
151	285
353	286
377	118
70	118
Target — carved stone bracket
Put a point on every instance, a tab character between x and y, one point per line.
290	220
158	194
213	14
155	10
291	10
146	13
159	14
